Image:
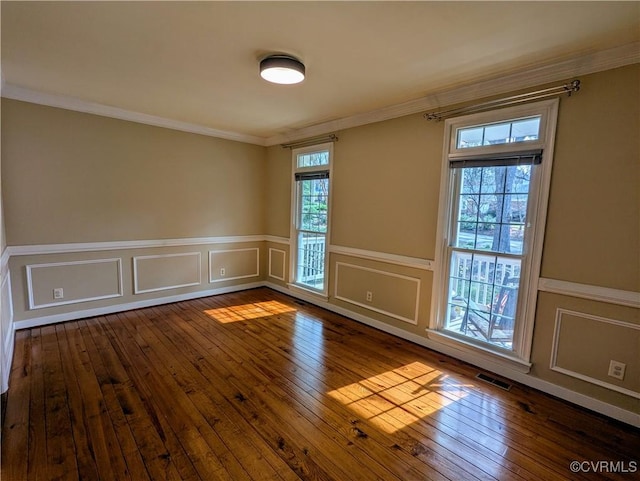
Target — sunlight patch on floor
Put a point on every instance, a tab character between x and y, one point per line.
397	398
247	312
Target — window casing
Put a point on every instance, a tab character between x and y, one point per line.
493	202
311	217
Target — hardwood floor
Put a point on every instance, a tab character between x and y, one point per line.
257	386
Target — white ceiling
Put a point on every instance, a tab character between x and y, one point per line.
197	62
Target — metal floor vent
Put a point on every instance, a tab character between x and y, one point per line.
491	380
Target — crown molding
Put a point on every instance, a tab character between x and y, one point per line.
16	92
530	77
526	78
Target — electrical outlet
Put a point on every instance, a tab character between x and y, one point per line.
58	293
369	296
616	369
222	272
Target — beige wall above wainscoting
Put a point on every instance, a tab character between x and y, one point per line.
87	197
593	227
386	185
278	191
75	177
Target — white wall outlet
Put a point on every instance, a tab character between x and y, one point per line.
58	293
369	296
616	369
222	272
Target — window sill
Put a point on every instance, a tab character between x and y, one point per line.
474	352
304	291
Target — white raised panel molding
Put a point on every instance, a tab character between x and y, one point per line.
593	293
556	339
413	320
136	288
225	279
31	267
415	262
284	257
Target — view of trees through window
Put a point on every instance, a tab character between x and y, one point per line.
313	205
485	260
493	207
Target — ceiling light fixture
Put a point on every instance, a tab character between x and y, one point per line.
282	69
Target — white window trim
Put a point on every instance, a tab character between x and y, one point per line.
293	251
539	199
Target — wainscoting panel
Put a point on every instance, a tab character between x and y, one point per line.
230	264
391	294
166	271
79	281
277	266
584	344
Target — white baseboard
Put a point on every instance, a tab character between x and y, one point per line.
596	405
628	417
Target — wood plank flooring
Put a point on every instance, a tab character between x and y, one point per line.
258	386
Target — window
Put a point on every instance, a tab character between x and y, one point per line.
312	166
493	204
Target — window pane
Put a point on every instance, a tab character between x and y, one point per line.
497	134
492	179
514	209
471	179
469	207
311	251
527	129
470	137
312	159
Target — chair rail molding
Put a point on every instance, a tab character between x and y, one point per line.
593	293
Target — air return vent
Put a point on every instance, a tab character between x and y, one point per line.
492	380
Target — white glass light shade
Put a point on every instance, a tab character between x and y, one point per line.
282	69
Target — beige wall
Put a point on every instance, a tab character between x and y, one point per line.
386	181
585	346
74	177
593	236
593	227
278	192
6	337
401	296
71	177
